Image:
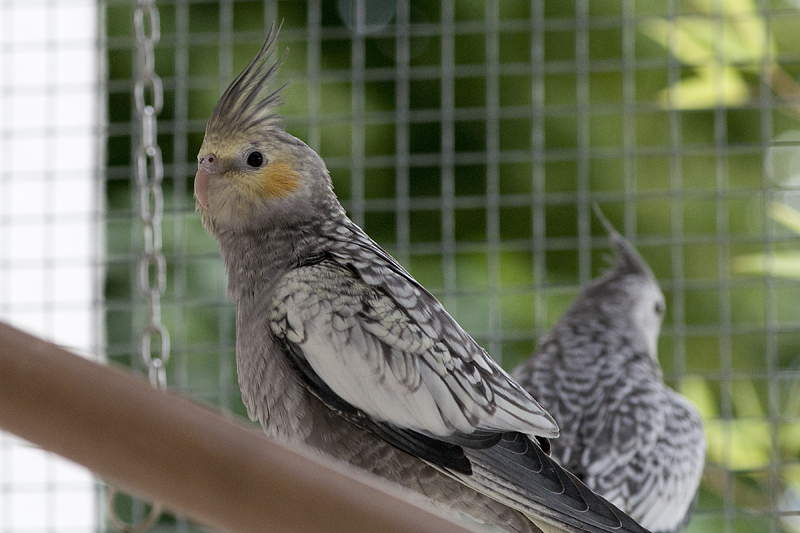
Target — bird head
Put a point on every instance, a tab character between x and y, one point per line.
252	174
630	288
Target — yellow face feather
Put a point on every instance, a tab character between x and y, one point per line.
278	179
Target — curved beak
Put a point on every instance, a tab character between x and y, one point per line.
201	185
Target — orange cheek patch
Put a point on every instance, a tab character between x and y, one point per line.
278	180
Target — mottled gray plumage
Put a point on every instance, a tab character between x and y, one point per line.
338	347
623	432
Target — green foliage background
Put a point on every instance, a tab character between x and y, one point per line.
679	118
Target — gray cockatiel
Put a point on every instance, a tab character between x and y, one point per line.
623	432
338	347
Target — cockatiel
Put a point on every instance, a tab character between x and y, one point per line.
623	432
338	347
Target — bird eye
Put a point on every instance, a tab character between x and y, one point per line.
660	308
255	159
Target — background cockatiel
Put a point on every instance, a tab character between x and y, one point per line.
338	347
623	432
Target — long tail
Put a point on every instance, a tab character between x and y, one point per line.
517	472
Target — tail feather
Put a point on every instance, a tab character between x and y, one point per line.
520	474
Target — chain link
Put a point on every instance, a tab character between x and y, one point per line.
143	525
149	171
149	166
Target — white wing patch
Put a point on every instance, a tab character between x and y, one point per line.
374	355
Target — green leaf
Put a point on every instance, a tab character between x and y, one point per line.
786	215
688	39
778	264
721	44
738	444
696	389
745	400
783	264
711	86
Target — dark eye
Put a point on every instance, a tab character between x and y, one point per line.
255	159
660	308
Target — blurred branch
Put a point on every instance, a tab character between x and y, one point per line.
169	449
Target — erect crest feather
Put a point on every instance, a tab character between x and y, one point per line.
626	259
247	104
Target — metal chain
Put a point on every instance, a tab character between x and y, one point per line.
149	168
149	99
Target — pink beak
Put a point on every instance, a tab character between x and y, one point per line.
200	186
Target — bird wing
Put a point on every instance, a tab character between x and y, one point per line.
650	458
545	376
634	441
646	456
394	362
388	363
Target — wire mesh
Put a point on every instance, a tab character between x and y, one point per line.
49	229
470	139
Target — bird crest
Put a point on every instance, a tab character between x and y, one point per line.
626	259
248	106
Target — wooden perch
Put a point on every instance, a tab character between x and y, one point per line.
172	450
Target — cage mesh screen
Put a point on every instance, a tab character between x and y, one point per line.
49	224
470	139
